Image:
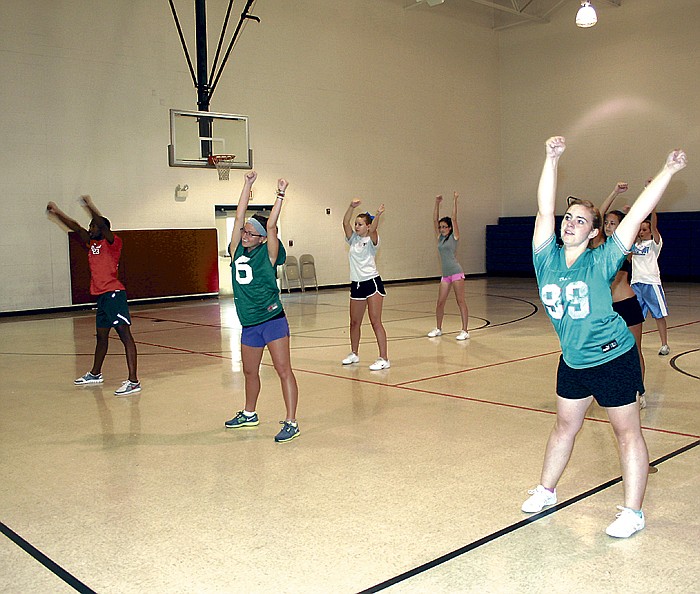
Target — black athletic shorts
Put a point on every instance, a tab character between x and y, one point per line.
364	289
629	310
612	384
112	310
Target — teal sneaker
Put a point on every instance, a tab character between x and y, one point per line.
287	433
241	420
88	378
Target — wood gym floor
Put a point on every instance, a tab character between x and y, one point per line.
408	480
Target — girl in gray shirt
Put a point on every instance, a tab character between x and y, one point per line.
452	273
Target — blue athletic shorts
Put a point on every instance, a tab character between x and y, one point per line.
612	384
364	289
652	299
261	334
112	310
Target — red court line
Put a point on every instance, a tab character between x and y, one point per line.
674	327
531	409
405	386
188	351
401	384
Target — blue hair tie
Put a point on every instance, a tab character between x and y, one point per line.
371	218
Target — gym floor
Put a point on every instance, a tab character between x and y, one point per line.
404	480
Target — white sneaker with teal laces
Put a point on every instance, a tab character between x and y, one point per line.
627	523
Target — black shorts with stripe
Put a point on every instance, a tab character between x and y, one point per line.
364	289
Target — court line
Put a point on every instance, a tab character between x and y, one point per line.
672	363
405	386
423	379
52	566
531	409
512	528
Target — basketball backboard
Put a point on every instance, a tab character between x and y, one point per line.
196	135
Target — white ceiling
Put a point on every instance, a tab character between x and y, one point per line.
502	14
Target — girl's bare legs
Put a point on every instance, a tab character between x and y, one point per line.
634	456
357	313
663	330
458	287
570	415
281	359
443	293
636	331
250	358
375	303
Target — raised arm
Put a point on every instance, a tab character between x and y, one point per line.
347	224
72	224
97	218
241	208
649	198
620	188
436	214
547	189
273	244
654	224
373	235
455	225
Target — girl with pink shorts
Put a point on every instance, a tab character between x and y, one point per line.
452	273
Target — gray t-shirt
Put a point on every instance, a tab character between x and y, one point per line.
447	246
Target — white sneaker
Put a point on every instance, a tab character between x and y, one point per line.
350	359
435	332
463	335
642	401
380	364
539	499
664	350
626	524
127	388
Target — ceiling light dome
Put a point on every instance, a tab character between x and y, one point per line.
586	16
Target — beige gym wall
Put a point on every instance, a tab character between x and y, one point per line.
346	99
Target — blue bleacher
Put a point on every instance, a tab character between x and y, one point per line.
509	246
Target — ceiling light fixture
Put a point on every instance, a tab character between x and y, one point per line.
586	16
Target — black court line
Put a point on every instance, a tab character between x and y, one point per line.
53	567
512	528
674	365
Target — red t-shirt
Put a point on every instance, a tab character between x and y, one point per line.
103	258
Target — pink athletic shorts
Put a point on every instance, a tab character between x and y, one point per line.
453	278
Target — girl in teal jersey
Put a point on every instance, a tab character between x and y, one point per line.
574	283
255	253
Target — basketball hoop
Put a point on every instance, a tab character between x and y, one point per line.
223	164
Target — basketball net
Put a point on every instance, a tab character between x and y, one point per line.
223	164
